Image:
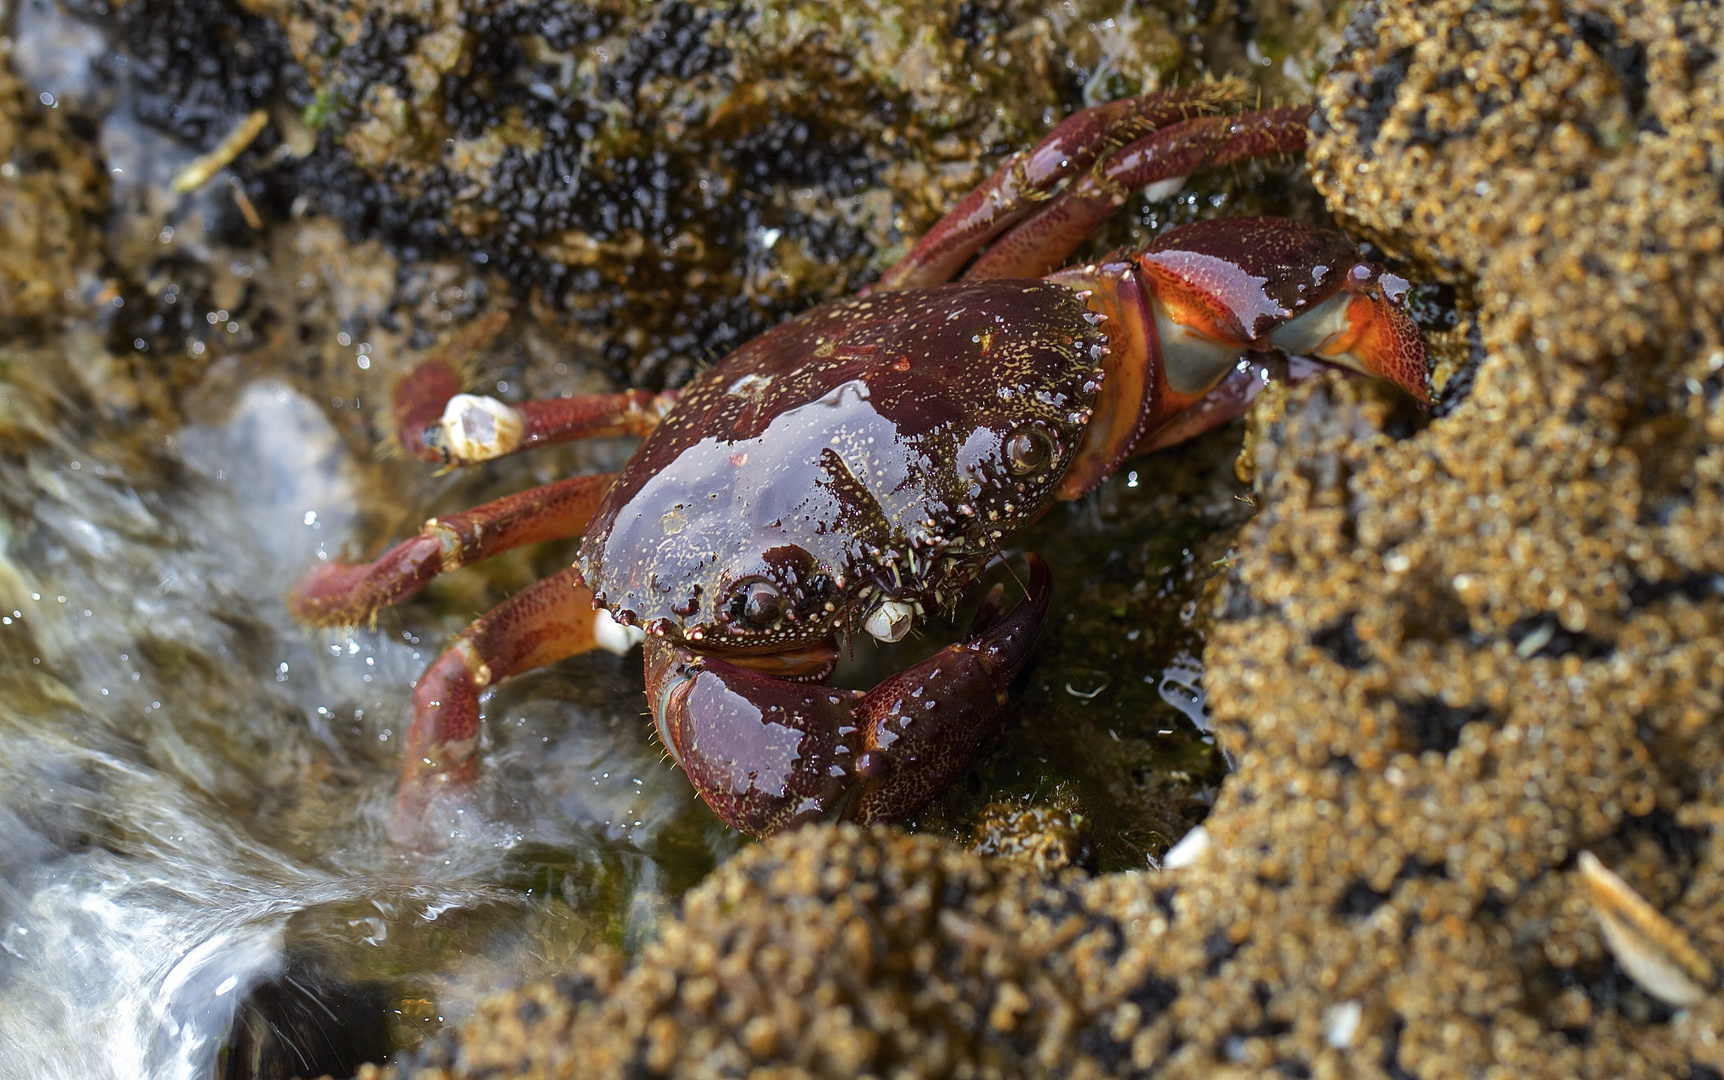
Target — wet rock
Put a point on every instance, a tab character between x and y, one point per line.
839	952
51	199
664	180
1049	836
1451	656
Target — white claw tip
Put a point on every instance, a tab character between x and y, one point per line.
480	428
613	636
891	620
1163	189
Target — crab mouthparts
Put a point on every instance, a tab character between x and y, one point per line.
891	620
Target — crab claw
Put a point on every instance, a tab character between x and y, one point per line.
1366	328
1184	314
1267	283
764	752
924	724
768	753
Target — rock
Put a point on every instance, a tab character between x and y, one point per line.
1449	655
677	177
49	198
834	951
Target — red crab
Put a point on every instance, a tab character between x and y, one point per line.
858	467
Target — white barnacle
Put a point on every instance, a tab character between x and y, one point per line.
480	428
890	621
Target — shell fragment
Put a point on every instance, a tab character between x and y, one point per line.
1654	952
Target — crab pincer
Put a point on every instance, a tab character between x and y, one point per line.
767	753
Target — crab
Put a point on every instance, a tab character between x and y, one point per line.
855	469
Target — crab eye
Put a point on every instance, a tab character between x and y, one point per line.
1028	449
757	604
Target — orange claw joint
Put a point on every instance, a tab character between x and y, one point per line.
1263	284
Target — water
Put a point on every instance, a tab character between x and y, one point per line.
194	876
192	790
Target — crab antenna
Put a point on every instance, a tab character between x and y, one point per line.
1007	564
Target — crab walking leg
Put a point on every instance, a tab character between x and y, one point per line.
435	421
341	594
543	623
1029	177
1041	243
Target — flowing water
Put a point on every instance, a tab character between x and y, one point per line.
193	788
194	879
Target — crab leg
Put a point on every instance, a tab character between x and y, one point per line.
435	421
543	623
340	594
1041	243
1029	177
